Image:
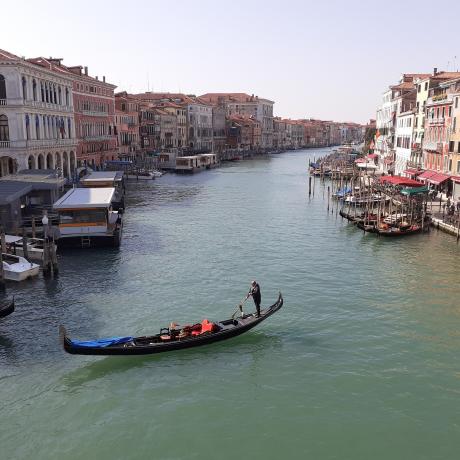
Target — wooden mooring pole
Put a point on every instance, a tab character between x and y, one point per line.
2	250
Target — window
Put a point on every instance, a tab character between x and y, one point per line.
458	166
2	87
4	131
419	87
450	111
426	86
24	88
37	127
454	124
451	146
456	102
34	89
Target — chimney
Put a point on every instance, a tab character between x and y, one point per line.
103	78
86	70
435	71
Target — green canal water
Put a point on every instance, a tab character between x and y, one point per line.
362	362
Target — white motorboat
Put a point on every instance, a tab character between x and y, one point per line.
16	268
34	247
140	175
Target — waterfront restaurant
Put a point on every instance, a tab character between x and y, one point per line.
86	218
187	164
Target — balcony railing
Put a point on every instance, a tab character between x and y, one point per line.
2	101
102	137
38	143
436	121
95	113
439	99
433	145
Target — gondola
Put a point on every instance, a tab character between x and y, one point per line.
169	339
400	231
6	308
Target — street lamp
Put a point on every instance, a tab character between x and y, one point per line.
45	225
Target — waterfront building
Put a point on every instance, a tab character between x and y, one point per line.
219	130
127	126
244	133
424	83
94	111
403	134
454	144
37	126
438	123
249	106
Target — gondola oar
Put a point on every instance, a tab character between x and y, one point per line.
240	307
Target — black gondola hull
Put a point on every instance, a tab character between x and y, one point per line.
6	308
239	326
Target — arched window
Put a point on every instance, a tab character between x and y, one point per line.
47	95
34	89
55	94
4	130
68	127
27	126
59	95
2	87
67	96
24	88
42	92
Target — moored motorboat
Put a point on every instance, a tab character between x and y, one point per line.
35	247
16	268
6	307
169	339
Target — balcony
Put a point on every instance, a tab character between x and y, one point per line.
439	99
38	143
433	146
102	137
93	113
3	102
436	121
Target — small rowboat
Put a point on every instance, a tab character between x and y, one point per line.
6	308
168	339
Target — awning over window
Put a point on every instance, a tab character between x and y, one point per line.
456	179
438	178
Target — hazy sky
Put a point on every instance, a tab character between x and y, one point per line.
326	59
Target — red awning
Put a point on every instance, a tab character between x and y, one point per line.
427	174
388	161
455	179
438	178
372	155
398	180
412	172
360	160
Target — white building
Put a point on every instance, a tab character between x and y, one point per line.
37	129
404	140
384	139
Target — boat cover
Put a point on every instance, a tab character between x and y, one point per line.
101	343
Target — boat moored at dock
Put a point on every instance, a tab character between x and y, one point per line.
16	268
87	218
34	247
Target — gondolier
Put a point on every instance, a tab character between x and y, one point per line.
254	291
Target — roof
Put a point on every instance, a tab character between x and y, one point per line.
86	198
12	190
97	176
7	56
39	179
231	97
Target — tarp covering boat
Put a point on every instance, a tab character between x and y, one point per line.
101	343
